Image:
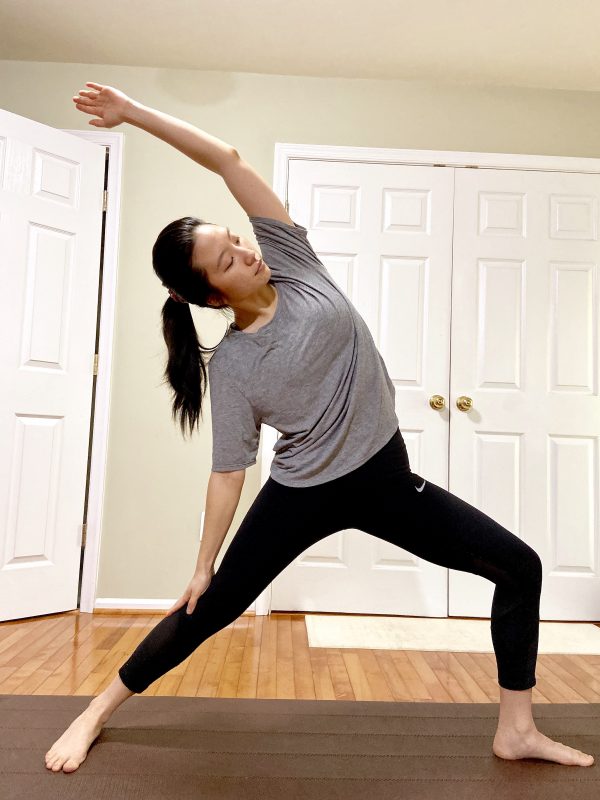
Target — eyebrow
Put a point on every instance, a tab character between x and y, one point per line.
224	251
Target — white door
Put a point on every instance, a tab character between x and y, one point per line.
384	232
51	186
526	350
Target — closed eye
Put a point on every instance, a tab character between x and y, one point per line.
231	262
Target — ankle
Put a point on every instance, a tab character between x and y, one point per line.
519	727
99	709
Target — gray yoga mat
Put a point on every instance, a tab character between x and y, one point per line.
179	748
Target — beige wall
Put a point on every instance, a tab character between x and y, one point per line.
156	482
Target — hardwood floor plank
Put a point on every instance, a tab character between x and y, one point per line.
211	677
251	660
434	688
443	669
266	685
472	677
303	681
356	674
376	677
192	677
400	691
414	681
340	680
286	688
230	673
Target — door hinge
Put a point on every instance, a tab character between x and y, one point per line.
83	534
105	200
95	372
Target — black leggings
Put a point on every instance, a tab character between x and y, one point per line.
381	498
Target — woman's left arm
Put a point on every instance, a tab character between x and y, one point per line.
252	192
201	147
110	106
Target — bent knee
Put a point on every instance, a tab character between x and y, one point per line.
529	568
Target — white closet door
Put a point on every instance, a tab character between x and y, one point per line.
384	232
526	349
51	186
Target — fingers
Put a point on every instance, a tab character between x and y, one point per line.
94	85
85	102
181	602
191	605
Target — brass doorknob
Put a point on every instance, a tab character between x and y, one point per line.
436	401
464	403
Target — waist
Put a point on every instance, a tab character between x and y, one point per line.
392	459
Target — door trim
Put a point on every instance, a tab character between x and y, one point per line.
91	558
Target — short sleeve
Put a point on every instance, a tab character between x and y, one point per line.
235	429
285	243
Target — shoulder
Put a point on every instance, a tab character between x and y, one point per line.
277	227
220	358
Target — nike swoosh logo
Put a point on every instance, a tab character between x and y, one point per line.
420	488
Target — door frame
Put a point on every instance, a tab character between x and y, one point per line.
114	142
286	152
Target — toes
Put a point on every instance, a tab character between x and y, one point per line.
579	758
70	765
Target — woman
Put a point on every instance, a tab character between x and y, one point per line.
300	358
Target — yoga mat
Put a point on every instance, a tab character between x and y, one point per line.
184	748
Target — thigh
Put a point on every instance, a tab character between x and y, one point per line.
434	524
282	522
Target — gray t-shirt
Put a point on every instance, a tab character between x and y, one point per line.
312	372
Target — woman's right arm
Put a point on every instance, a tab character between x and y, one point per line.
222	498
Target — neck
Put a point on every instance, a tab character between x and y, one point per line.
252	308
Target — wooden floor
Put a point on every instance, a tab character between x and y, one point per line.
265	657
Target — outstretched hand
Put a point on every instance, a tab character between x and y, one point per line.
195	588
105	102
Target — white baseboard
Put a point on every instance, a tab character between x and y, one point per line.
143	603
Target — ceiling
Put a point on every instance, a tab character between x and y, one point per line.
551	44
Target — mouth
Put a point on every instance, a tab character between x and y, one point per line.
260	266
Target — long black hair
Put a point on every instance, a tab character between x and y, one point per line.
186	369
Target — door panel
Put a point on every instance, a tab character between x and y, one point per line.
526	349
51	187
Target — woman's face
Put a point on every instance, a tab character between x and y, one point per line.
233	265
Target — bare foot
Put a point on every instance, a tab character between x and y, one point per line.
71	750
533	744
